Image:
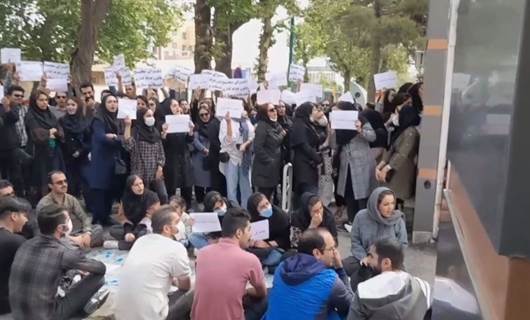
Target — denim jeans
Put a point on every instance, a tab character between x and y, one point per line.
236	177
198	240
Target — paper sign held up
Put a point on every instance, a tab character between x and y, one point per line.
57	85
30	70
311	88
296	73
54	70
343	120
234	106
199	81
148	78
10	55
178	123
276	80
260	230
205	222
269	96
288	97
127	107
385	80
237	88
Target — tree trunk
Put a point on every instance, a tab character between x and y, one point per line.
203	37
376	53
223	37
93	14
347	80
265	42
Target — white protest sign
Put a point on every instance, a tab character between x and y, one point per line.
148	78
57	85
288	97
199	81
216	80
311	88
119	62
236	88
205	222
296	73
110	77
126	76
269	96
127	107
343	119
302	97
252	85
178	123
30	70
181	73
54	70
347	97
10	55
276	80
224	105
1	91
461	80
259	230
385	80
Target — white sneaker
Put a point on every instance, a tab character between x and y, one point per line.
346	226
110	244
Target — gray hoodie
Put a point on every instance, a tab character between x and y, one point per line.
369	226
392	295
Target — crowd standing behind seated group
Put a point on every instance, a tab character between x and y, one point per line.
94	177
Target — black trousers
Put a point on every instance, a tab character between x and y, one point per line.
77	297
352	205
11	169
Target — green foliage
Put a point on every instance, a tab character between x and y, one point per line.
47	29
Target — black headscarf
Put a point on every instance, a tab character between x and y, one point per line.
135	206
345	136
279	226
302	217
202	127
263	115
414	92
301	122
408	117
44	118
388	107
142	131
74	123
109	119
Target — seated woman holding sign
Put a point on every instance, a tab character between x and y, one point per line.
269	250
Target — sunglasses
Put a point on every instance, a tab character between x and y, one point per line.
61	97
203	114
271	110
18	95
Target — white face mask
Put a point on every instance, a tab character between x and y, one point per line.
149	121
395	120
323	122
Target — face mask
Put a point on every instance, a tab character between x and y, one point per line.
221	211
323	122
266	213
312	119
395	120
149	121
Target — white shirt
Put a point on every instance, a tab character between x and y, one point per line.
236	156
146	277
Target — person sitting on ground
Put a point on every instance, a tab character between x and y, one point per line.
223	271
311	215
269	251
378	221
311	284
84	234
30	228
185	221
138	205
393	293
13	217
155	262
41	263
213	202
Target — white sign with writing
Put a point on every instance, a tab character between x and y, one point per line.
260	230
288	97
178	123
269	96
234	106
205	222
199	81
276	80
343	119
305	96
119	62
296	73
148	78
57	85
312	88
110	77
54	70
10	55
180	73
347	97
237	88
127	107
385	80
30	70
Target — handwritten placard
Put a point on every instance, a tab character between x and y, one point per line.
260	230
199	81
119	62
127	107
347	97
148	78
178	123
205	222
10	55
296	73
312	89
288	97
237	88
305	96
385	80
343	120
269	96
30	70
276	80
54	70
57	85
180	73
234	106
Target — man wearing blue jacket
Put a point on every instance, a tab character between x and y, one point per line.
311	284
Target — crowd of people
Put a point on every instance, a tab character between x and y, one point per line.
75	177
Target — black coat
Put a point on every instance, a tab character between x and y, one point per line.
376	121
267	162
305	143
8	130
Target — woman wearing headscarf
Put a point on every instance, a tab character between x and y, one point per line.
388	106
305	142
147	152
269	250
267	164
178	171
44	138
380	220
416	93
312	214
397	168
286	122
356	163
106	171
75	147
199	157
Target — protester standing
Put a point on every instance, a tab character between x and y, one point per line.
201	149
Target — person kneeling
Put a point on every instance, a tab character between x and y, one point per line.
41	263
